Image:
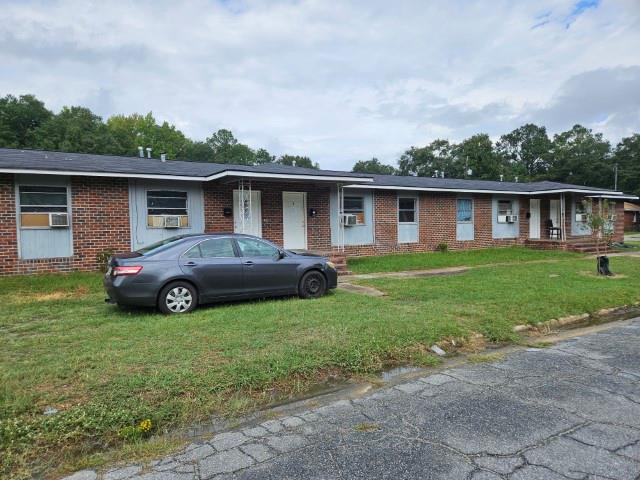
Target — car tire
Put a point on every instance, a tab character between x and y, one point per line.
313	284
178	297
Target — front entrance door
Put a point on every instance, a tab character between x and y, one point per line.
294	220
247	215
534	218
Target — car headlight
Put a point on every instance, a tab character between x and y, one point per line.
331	265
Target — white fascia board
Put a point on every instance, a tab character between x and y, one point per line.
615	197
226	173
466	190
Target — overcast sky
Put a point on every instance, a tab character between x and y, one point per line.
336	80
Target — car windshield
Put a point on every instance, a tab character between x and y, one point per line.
159	246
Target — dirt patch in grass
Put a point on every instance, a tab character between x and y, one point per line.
615	276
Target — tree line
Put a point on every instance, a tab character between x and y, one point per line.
25	122
578	156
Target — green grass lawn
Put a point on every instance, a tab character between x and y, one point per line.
419	261
107	369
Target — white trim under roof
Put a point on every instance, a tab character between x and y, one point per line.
467	190
226	173
614	196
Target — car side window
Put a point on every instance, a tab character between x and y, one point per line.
217	248
250	247
193	252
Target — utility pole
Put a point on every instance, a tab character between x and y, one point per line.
615	181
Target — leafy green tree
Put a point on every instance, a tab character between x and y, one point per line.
297	161
526	150
581	157
627	156
424	161
19	118
477	153
131	131
197	152
373	166
263	156
74	129
226	149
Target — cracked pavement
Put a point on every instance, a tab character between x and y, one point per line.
571	411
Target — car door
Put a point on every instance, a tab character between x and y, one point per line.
214	267
264	272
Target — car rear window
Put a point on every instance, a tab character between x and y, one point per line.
160	246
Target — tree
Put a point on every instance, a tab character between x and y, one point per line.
297	161
477	153
425	161
373	166
226	149
526	150
627	156
263	156
581	157
74	129
19	118
131	131
600	220
197	152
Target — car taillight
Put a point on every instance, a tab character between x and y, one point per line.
126	270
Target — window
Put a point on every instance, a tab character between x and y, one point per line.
464	212
355	206
505	211
406	210
167	203
250	247
43	207
214	248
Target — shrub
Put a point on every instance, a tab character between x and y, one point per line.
103	259
442	247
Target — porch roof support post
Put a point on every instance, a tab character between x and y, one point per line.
340	217
563	217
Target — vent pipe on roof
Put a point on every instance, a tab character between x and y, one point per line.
163	157
516	179
437	174
442	174
148	152
501	178
141	152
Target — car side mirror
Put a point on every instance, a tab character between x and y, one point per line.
281	254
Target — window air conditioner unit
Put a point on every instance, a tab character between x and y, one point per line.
172	221
349	220
502	218
581	217
58	220
512	218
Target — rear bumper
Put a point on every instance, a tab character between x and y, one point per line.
124	291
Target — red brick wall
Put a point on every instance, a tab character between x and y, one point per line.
217	196
437	224
100	221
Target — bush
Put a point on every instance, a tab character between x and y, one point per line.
442	247
103	259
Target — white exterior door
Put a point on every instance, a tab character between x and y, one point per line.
534	218
554	212
294	220
247	215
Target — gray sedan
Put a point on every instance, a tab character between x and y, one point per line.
181	272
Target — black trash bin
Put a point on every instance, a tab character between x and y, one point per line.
603	265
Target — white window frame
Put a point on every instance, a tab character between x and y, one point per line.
19	206
414	209
470	221
498	211
364	210
168	189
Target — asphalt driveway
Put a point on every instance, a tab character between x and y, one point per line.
568	411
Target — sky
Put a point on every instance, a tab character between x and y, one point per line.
338	81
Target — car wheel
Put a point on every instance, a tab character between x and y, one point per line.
178	297
312	285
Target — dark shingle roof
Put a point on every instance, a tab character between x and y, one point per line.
86	162
15	159
461	184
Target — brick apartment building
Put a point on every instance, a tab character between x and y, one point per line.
63	211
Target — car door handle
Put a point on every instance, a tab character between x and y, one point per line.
249	263
191	264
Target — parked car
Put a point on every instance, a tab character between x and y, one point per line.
179	273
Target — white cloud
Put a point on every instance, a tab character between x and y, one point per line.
338	81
